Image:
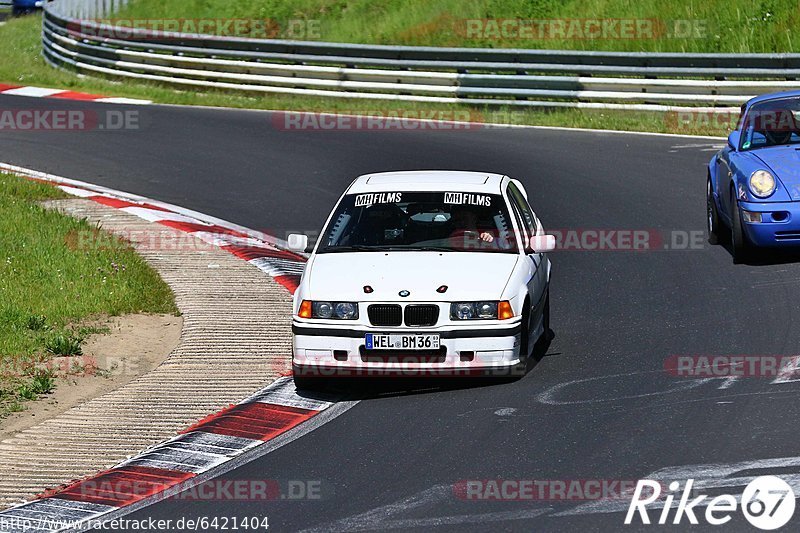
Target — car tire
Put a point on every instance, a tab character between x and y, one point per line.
742	249
521	368
715	235
547	333
525	333
307	383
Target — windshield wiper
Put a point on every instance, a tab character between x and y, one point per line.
424	248
353	248
385	248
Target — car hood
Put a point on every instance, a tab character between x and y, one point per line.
468	275
784	162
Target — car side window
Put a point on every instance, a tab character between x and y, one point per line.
529	219
520	208
515	210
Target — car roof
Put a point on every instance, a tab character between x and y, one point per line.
428	180
772	96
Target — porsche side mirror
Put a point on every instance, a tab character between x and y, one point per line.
733	140
543	243
297	242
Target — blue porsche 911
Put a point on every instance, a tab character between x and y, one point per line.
753	189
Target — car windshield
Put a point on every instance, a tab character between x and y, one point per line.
435	221
772	123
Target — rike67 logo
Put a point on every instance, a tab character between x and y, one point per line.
767	503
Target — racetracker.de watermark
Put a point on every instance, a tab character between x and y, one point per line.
579	240
701	120
25	120
239	490
627	240
760	120
378	120
146	240
748	366
581	29
184	237
409	365
544	489
177	28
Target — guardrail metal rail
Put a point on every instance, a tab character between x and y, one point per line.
5	9
73	37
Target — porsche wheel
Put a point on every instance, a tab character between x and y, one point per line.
742	249
715	235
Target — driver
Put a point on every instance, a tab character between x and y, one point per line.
465	226
777	125
381	224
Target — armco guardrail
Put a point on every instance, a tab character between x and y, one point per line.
549	78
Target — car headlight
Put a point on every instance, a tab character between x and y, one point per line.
345	310
762	183
491	310
321	310
328	310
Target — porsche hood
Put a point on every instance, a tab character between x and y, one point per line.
467	275
784	162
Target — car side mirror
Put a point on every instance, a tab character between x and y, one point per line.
543	243
297	242
733	140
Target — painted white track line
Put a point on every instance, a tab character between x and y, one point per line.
43	92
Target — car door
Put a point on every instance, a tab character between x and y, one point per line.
530	226
726	168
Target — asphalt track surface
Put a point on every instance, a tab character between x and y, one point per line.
598	405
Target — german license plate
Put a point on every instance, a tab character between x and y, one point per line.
401	342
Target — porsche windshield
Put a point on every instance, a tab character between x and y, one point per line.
423	221
772	123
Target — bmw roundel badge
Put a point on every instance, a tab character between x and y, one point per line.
404	293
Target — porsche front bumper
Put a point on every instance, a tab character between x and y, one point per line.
779	225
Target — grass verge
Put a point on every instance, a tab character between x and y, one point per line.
50	288
735	26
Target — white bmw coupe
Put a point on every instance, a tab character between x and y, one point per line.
423	272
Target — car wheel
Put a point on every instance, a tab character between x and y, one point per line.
741	247
715	236
547	333
307	383
524	338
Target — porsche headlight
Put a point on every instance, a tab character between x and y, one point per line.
762	183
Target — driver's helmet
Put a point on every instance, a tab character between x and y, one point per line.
776	124
382	224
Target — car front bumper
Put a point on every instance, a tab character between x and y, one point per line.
468	351
779	226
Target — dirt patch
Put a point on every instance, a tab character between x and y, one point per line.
134	345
